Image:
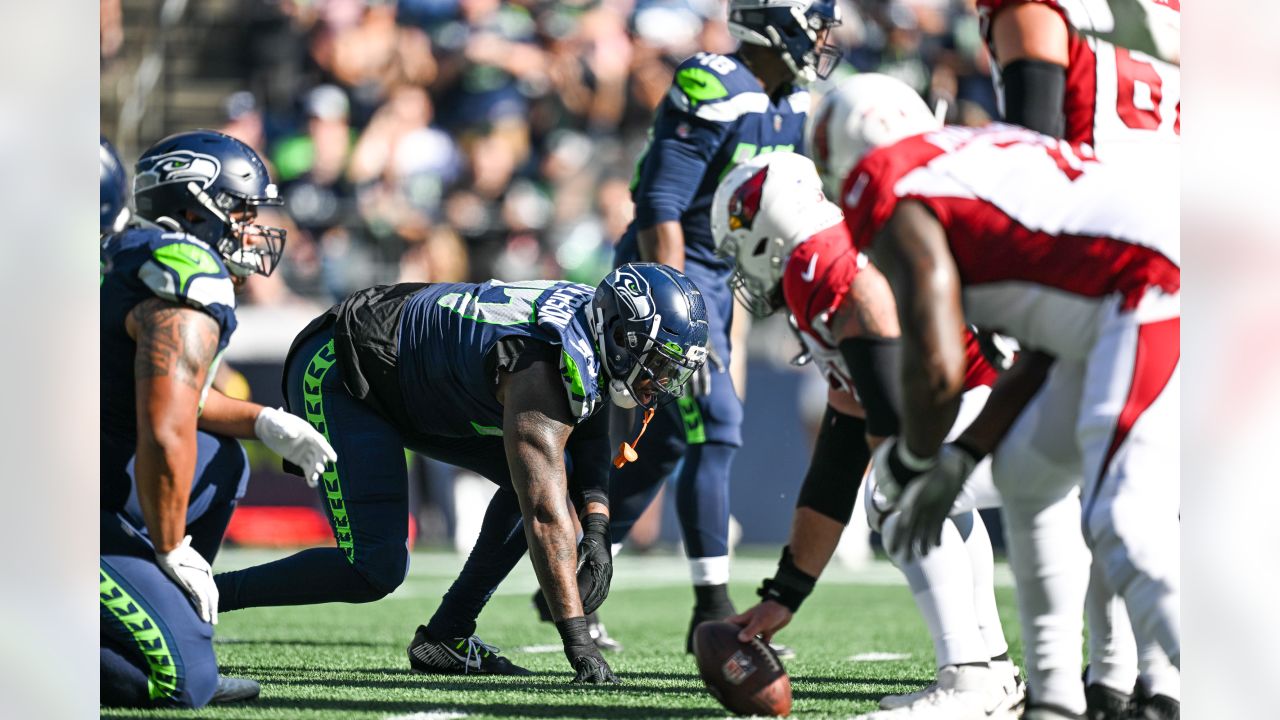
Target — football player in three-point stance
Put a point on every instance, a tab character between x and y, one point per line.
793	248
720	111
1077	260
171	472
1127	106
508	381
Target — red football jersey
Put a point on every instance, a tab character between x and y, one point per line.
1114	98
1041	232
816	281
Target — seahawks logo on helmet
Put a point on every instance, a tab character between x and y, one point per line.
178	166
634	292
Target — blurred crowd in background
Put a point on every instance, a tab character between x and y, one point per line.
442	140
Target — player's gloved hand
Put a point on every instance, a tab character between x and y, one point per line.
589	665
895	466
293	439
930	498
764	620
700	383
595	562
185	567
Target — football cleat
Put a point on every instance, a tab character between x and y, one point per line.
1156	707
1047	712
231	689
458	656
961	692
1105	703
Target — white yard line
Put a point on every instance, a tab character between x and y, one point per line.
878	657
432	715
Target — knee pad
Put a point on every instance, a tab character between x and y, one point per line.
386	574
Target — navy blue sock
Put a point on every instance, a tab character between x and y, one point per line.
702	499
312	576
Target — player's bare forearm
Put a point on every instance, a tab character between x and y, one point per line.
663	243
813	540
536	427
175	346
1011	393
592	508
914	256
228	416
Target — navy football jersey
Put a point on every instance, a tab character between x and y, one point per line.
448	332
139	264
715	115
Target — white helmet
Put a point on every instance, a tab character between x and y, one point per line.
859	115
762	210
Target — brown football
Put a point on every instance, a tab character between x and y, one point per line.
747	678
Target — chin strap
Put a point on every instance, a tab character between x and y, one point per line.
627	450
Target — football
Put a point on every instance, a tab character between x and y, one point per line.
747	678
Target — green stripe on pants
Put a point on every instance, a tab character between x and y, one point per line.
162	675
695	433
313	398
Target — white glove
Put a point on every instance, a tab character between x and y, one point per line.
185	566
293	439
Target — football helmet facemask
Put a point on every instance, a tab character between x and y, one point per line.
210	185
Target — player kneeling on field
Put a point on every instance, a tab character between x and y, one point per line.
505	380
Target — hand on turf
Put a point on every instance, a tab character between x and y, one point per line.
293	439
929	499
764	620
590	667
595	562
185	567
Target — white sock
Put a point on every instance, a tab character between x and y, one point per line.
982	567
942	586
1051	564
1158	673
709	570
1113	654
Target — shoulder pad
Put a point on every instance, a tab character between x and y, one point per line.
183	269
716	88
580	372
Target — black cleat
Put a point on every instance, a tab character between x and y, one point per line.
458	656
600	636
1156	707
232	690
1105	703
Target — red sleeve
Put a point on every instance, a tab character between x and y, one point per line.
978	371
868	198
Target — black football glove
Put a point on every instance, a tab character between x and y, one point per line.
595	562
589	665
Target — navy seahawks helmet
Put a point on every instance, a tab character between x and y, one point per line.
113	190
650	322
211	185
793	28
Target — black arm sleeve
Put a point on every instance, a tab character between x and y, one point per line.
591	456
873	367
840	458
1033	92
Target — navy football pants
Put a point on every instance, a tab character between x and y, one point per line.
365	495
154	648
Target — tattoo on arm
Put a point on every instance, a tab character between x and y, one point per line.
173	341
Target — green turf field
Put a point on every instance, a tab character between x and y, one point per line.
348	661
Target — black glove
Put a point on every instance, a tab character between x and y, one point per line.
700	383
588	664
595	562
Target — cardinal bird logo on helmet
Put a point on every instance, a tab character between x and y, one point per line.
745	202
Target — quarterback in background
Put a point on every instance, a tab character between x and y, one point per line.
720	111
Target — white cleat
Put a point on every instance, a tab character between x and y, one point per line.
961	692
1011	680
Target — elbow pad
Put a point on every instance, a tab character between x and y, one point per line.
1033	91
840	458
873	365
